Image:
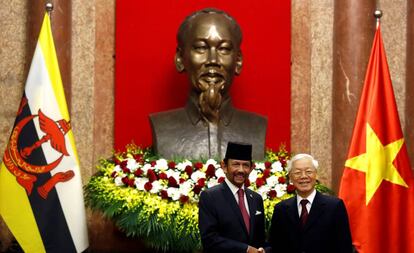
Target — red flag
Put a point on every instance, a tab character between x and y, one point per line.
377	185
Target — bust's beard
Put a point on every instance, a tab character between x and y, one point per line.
209	102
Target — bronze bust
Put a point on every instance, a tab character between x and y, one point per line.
209	51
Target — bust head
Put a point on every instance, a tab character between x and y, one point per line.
209	51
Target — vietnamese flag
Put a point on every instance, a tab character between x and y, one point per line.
377	185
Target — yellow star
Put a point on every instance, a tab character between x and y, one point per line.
377	163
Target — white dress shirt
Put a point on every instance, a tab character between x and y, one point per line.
234	189
310	198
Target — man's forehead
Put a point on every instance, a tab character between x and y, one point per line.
302	163
238	161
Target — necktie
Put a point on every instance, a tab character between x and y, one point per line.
243	210
304	214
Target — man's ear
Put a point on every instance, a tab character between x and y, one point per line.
239	63
223	166
179	65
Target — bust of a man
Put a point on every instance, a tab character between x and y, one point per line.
209	52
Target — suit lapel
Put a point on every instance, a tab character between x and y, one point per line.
317	209
252	211
228	195
292	211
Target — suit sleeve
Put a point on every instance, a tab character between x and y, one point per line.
275	236
208	222
343	233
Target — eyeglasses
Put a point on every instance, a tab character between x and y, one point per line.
299	173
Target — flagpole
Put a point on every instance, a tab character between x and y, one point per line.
378	15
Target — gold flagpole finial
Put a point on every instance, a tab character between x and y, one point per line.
378	15
49	7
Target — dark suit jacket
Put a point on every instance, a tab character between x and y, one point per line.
221	223
326	230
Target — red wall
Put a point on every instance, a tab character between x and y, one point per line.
146	79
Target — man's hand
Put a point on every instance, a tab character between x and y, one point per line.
251	249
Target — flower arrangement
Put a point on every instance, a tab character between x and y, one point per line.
157	199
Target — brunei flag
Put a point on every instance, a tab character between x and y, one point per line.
41	197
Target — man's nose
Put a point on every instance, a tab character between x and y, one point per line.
212	56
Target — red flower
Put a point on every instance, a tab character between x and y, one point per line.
197	189
171	165
125	180
260	181
153	163
172	182
291	188
138	158
281	180
211	170
182	180
151	175
162	175
198	165
189	170
164	194
266	173
184	199
117	161
201	182
114	174
267	164
148	186
220	180
123	164
131	182
282	162
272	194
247	182
126	170
138	172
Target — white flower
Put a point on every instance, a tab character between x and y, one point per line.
272	181
173	193
197	175
220	173
140	183
213	162
185	188
276	167
181	166
161	164
132	165
280	190
117	168
156	187
260	166
263	190
253	176
118	181
212	182
146	167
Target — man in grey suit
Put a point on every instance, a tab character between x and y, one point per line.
309	222
231	217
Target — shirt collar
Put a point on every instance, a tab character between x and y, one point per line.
232	187
226	111
310	198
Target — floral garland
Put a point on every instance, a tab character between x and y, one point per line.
157	199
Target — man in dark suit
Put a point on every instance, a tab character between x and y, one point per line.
309	222
229	220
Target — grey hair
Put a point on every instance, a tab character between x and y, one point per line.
300	157
186	24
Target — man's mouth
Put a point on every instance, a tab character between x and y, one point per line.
212	77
